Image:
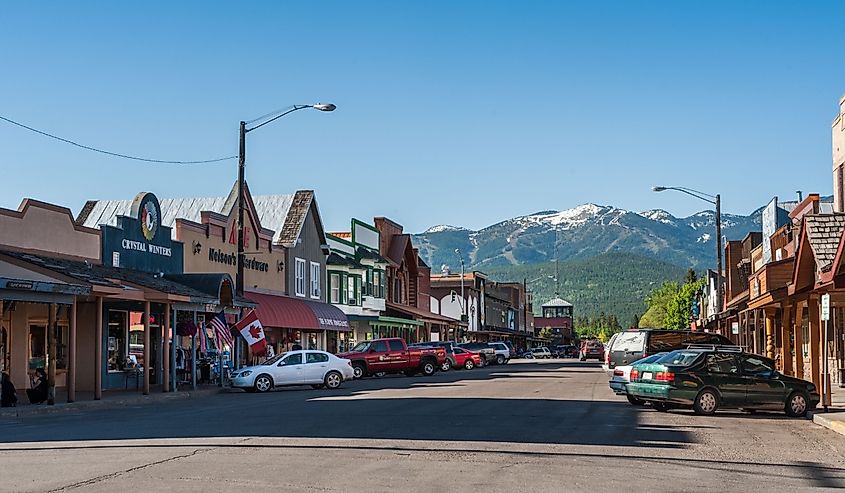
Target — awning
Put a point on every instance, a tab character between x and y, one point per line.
293	313
422	315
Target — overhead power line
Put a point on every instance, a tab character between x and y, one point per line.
115	154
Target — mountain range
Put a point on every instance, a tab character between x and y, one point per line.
581	233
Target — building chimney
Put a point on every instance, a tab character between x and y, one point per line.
800	196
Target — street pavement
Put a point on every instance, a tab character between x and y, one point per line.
528	426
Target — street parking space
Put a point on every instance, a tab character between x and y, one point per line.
534	425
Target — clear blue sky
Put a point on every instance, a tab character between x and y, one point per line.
463	113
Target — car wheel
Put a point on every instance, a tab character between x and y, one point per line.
333	380
263	383
358	371
317	386
660	406
500	360
706	403
634	401
428	368
469	364
446	366
796	405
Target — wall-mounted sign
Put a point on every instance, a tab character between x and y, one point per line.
770	225
19	285
140	241
734	328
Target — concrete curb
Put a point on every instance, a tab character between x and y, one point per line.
828	420
135	400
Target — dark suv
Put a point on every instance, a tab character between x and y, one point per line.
630	345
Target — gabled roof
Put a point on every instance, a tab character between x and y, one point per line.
97	212
824	232
557	302
818	244
343	261
286	215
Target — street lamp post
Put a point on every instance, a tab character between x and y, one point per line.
259	122
464	318
717	202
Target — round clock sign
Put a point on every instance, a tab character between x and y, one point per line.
149	215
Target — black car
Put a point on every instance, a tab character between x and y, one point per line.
631	345
488	354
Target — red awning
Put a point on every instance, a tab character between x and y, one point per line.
293	313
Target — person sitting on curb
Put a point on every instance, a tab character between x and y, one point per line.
8	394
38	393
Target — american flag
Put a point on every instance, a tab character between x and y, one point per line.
221	328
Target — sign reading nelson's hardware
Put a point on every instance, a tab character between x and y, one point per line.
221	257
141	241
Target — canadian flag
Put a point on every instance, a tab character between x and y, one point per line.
252	331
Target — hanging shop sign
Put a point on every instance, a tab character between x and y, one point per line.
140	241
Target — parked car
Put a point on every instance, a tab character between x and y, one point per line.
541	352
709	378
466	359
591	348
316	368
450	361
632	345
568	351
488	354
621	376
383	356
503	354
526	354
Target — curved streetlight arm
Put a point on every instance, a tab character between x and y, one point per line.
711	199
295	107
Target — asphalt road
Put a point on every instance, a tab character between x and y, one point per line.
528	426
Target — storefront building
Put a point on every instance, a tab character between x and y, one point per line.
356	284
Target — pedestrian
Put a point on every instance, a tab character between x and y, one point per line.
296	347
38	393
8	394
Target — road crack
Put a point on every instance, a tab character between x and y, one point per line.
105	477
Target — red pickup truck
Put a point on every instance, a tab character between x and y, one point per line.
393	356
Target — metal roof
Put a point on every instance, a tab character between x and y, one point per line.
557	302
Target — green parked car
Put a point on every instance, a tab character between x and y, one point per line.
714	377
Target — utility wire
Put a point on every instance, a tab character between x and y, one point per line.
109	153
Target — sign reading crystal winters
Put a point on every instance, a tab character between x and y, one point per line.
141	240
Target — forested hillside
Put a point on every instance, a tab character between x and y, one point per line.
611	283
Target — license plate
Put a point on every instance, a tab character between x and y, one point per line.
647	375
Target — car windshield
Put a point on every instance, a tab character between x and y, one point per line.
275	359
360	347
678	358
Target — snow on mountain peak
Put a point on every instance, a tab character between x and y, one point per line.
660	216
443	227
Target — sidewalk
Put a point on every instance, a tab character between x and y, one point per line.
111	399
834	419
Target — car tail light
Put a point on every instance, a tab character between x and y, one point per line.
618	373
664	376
634	375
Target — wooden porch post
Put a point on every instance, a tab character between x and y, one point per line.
815	341
166	348
71	363
51	356
770	332
147	358
98	351
798	327
786	346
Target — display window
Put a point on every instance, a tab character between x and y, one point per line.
37	357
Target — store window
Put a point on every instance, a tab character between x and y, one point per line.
315	280
334	287
117	343
38	346
350	287
300	277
